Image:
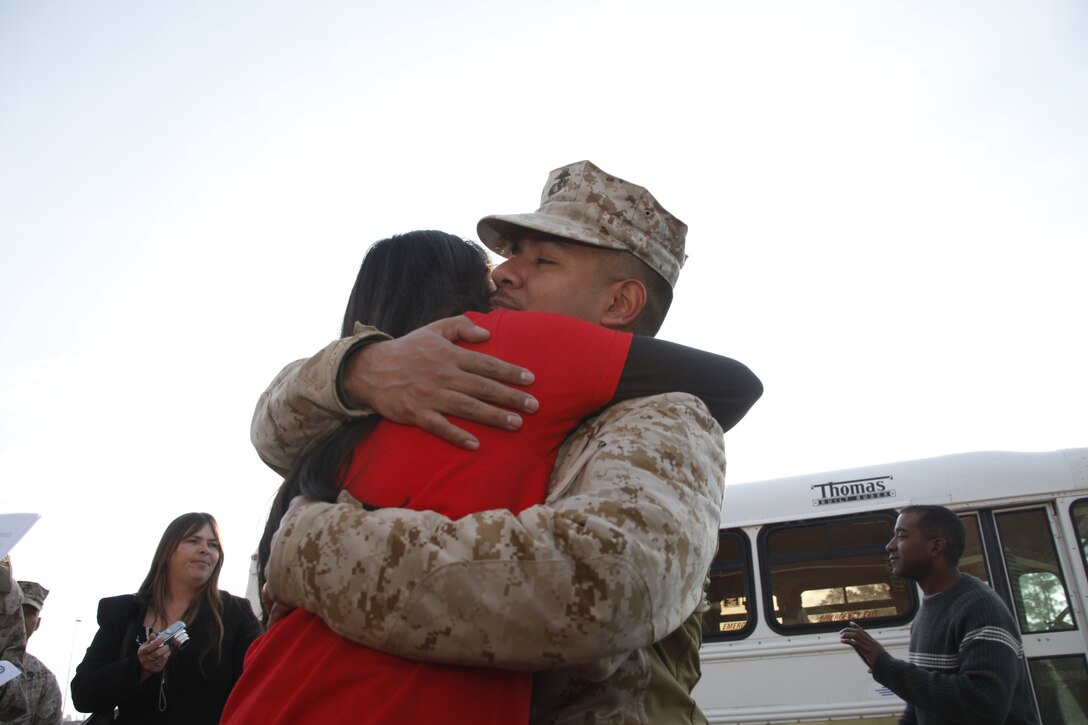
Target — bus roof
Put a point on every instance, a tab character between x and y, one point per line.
957	481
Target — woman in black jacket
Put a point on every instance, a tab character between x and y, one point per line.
149	676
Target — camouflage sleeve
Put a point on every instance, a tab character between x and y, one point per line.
303	402
615	560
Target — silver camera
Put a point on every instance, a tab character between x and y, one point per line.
175	635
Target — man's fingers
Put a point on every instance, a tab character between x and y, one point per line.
490	380
438	425
458	329
462	329
493	368
422	364
422	378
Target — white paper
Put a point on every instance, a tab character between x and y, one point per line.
12	528
8	671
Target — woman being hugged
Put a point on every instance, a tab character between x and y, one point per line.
140	666
302	670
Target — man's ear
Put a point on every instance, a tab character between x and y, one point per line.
628	297
936	548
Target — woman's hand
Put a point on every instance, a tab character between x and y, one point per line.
299	502
153	656
274	609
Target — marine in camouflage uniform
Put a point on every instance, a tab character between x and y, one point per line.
14	705
599	590
43	692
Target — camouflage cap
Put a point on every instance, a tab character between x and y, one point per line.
34	594
584	204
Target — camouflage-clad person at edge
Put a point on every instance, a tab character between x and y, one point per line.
600	589
14	705
43	692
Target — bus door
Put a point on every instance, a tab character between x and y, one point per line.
1020	552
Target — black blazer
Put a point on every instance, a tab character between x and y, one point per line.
109	675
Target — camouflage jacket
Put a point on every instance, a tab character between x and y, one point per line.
43	692
597	590
14	705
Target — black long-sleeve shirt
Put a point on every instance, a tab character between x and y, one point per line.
654	366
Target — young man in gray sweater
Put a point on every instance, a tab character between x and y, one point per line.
966	661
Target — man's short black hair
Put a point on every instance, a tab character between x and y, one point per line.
938	522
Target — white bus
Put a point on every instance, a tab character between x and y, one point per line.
800	556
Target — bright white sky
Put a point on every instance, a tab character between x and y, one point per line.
886	204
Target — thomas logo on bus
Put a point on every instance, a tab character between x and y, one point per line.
859	489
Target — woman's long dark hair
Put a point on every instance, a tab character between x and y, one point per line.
207	602
404	283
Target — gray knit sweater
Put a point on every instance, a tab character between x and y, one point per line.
966	662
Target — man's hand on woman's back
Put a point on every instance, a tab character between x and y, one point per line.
422	378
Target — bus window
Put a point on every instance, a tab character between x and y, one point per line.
825	573
1079	511
1061	688
973	559
1039	593
730	580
